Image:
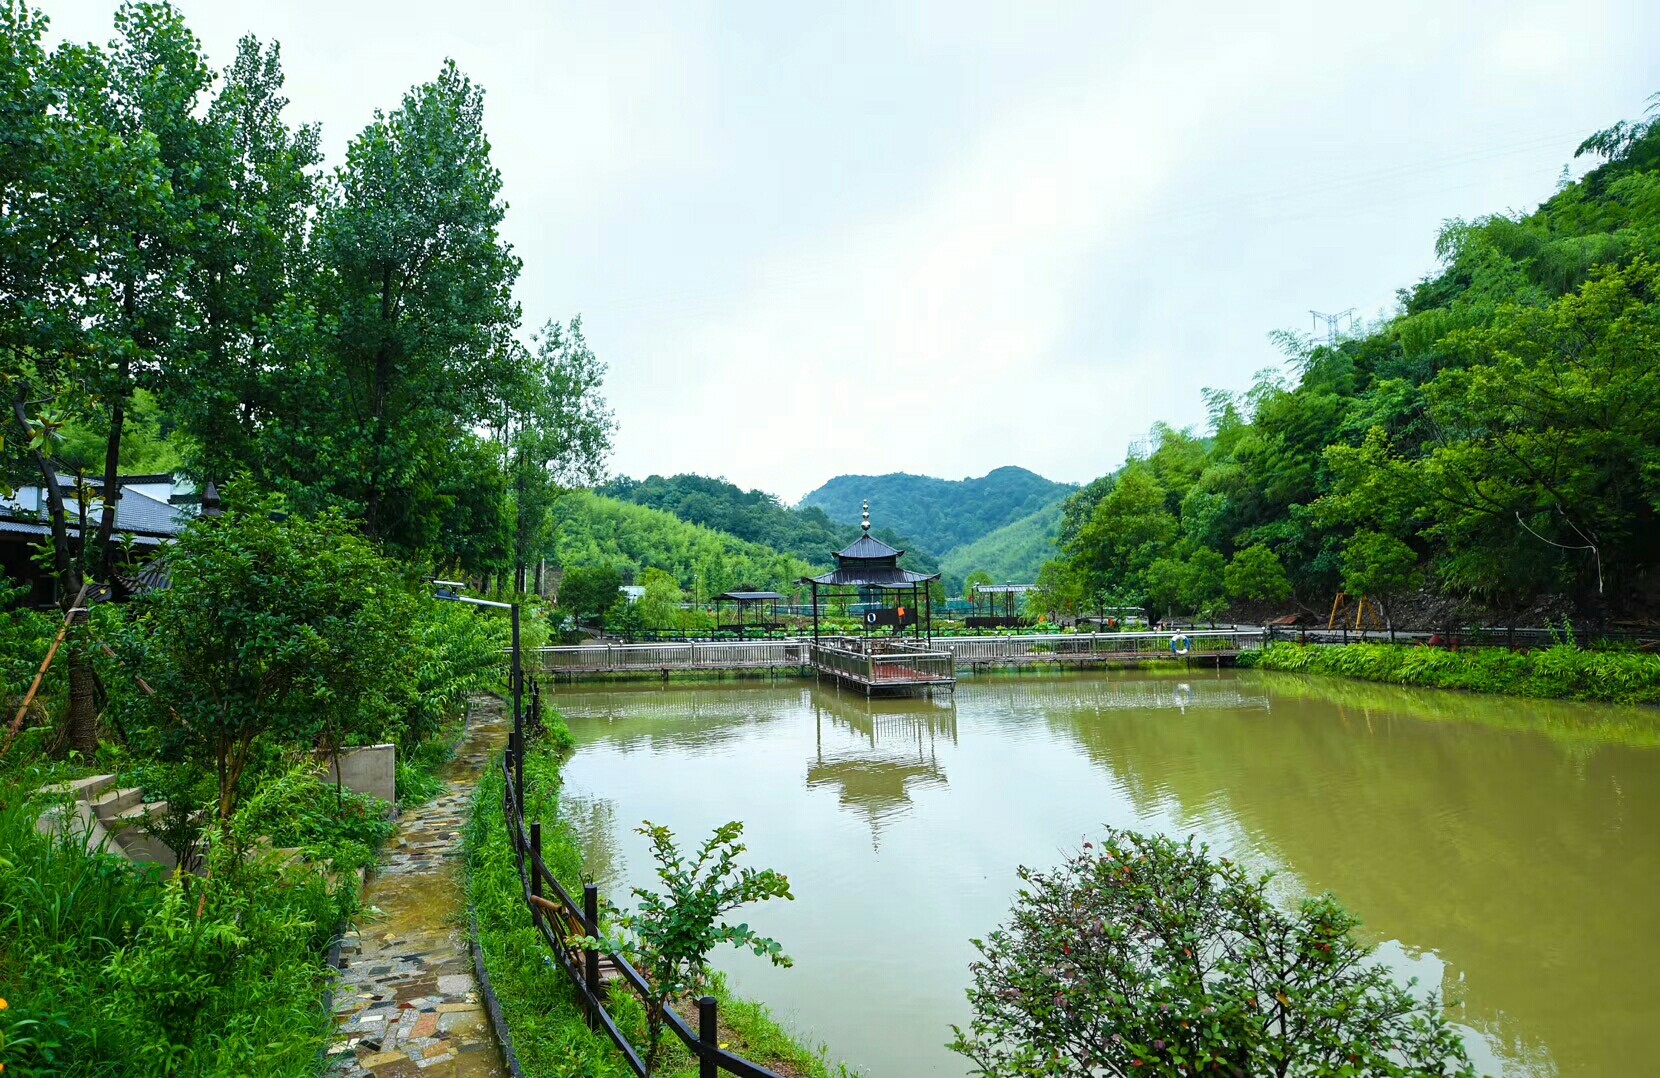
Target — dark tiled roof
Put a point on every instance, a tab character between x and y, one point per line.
13	526
884	577
867	548
138	514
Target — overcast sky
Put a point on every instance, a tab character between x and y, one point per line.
940	238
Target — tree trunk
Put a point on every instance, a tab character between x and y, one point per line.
112	486
81	725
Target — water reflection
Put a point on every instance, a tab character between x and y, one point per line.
879	751
1505	851
1027	693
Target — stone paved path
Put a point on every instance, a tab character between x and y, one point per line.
407	1002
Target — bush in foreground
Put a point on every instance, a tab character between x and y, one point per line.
1145	956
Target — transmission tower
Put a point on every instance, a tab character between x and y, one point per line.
1336	324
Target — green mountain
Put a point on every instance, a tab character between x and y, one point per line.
755	517
941	514
591	529
1012	554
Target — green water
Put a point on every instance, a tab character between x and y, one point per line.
1507	852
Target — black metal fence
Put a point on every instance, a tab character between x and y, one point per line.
559	918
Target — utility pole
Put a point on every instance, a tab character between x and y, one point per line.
1345	319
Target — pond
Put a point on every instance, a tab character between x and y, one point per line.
1506	852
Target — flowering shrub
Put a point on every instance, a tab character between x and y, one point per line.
1145	956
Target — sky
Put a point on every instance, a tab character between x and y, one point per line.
944	237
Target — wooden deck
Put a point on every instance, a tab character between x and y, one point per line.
883	668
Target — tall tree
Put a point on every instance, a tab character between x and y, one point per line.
251	278
97	170
557	434
155	76
415	314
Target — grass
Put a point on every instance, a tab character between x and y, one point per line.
108	969
1563	672
548	1030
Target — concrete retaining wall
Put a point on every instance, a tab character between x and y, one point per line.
370	769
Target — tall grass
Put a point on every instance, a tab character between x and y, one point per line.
108	968
1562	672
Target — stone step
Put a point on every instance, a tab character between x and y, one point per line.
115	802
138	816
139	846
82	789
140	811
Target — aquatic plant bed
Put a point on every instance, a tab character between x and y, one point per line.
1562	672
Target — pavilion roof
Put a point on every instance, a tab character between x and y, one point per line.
887	576
869	563
868	548
749	596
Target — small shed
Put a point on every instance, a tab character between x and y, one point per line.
748	610
998	597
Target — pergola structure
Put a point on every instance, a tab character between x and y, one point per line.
766	602
1011	596
870	566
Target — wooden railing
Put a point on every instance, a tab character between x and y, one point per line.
836	658
718	655
1083	646
853	654
559	919
882	661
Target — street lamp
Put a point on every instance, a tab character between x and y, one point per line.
450	591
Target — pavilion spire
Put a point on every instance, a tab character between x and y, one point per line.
866	524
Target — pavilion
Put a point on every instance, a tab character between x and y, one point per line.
870	567
890	663
1010	594
764	604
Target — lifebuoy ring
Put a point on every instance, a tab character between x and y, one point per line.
1178	644
870	617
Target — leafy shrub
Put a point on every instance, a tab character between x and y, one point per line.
1146	956
672	933
416	785
328	824
1563	671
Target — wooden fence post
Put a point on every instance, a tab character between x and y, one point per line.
590	959
535	873
708	1034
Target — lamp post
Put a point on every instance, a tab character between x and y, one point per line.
450	591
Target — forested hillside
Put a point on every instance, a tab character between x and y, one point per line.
1496	441
941	514
755	516
1013	553
594	530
